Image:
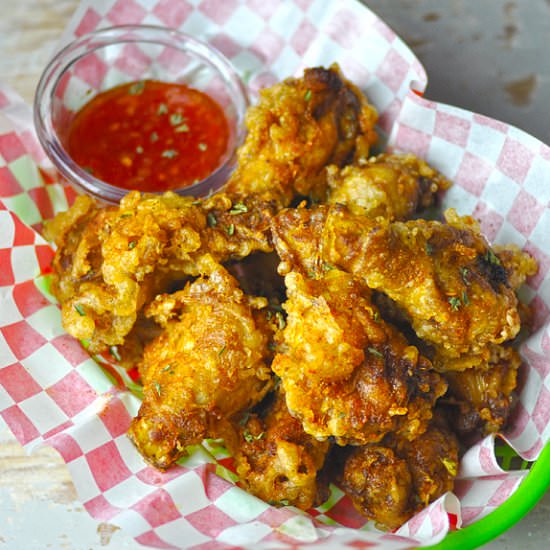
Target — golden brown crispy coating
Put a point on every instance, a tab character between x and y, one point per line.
346	373
298	127
388	186
210	362
482	398
276	460
444	276
391	481
110	261
517	264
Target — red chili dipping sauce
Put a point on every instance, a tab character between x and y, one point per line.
149	136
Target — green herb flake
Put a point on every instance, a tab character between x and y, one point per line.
169	154
126	215
272	346
222	351
376	316
89	170
281	323
492	258
230	229
154	137
464	273
465	299
203	147
212	221
328	267
136	88
113	350
132	244
182	128
375	352
80	310
342	414
250	437
166	368
284	502
238	208
176	119
162	110
158	388
429	249
307	95
196	203
455	303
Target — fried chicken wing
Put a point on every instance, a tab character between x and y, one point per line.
443	276
210	362
390	186
391	481
298	127
276	460
110	261
346	373
481	398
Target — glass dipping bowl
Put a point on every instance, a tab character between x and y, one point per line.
118	55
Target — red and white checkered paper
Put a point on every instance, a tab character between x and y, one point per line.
52	392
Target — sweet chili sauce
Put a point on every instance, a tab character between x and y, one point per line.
149	136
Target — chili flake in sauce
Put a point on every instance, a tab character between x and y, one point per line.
149	136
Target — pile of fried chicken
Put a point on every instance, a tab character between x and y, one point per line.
304	313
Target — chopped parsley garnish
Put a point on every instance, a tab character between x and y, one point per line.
182	128
281	323
328	267
307	95
154	137
465	272
136	88
89	170
492	258
250	437
212	221
158	388
162	110
169	154
230	229
80	310
374	351
222	351
166	368
455	303
429	249
465	299
203	146
238	208
113	350
176	119
132	244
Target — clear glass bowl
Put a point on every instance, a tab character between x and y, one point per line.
110	57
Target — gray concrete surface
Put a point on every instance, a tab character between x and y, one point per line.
491	57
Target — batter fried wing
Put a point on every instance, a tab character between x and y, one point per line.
110	261
444	276
276	460
210	362
482	398
297	128
388	186
345	372
391	481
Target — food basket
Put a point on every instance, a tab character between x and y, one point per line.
53	393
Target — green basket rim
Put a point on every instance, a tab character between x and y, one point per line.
530	491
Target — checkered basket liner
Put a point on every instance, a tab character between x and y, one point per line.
52	392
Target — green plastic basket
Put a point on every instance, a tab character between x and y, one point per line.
531	490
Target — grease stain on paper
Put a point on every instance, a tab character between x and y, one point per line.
520	91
